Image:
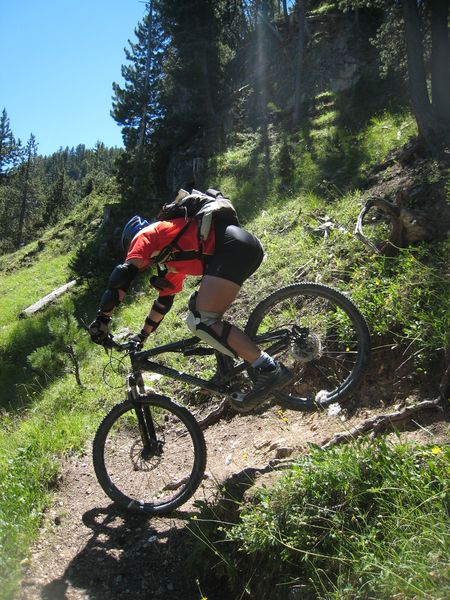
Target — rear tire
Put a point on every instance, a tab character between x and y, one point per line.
161	482
329	362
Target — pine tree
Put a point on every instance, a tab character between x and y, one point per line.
192	68
137	106
8	146
27	184
60	188
67	347
414	41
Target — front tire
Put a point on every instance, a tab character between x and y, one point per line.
330	358
156	482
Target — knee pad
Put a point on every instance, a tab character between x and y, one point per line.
200	321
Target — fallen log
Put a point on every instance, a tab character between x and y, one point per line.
46	300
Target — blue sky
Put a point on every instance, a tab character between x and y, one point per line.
58	59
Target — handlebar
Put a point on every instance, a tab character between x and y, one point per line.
130	346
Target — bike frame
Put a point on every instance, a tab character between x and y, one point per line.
227	371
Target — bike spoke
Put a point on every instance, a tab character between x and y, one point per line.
325	346
153	475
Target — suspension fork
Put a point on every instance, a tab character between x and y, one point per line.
143	415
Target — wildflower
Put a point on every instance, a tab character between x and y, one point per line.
436	450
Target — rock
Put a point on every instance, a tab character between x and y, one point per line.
277	443
283	452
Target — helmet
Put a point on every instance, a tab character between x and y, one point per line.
134	225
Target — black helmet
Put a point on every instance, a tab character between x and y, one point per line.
134	225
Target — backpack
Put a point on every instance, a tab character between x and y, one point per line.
205	208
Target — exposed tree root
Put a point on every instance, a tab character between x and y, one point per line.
214	416
376	424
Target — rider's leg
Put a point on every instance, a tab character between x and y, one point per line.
237	255
216	295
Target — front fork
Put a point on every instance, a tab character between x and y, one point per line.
150	443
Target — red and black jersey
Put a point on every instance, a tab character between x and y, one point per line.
151	240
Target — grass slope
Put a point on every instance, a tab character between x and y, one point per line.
285	192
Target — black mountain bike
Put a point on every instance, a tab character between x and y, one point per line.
149	452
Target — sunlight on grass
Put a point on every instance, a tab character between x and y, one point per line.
364	520
25	286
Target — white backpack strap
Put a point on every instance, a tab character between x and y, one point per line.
205	225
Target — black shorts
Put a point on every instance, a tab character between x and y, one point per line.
237	253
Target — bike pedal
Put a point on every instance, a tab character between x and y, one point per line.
240	406
238	403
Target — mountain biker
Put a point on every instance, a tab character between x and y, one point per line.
227	257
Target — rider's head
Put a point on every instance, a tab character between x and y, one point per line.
134	225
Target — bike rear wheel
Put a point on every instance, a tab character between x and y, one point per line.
154	481
327	342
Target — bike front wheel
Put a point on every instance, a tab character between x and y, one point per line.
320	335
153	479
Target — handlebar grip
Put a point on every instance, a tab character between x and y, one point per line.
109	342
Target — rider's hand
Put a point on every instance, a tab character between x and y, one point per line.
99	329
139	339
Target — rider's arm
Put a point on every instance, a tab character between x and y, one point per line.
160	308
118	284
167	286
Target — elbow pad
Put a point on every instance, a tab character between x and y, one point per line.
120	279
122	276
163	304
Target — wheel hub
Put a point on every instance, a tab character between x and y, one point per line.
305	345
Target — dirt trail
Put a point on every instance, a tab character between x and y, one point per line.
89	550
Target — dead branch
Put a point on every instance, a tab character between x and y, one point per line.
392	210
408	225
379	422
46	300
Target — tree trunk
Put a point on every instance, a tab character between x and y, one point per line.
46	300
440	64
262	83
417	76
203	50
302	7
23	206
71	352
209	104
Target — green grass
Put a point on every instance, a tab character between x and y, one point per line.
366	520
59	420
25	286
